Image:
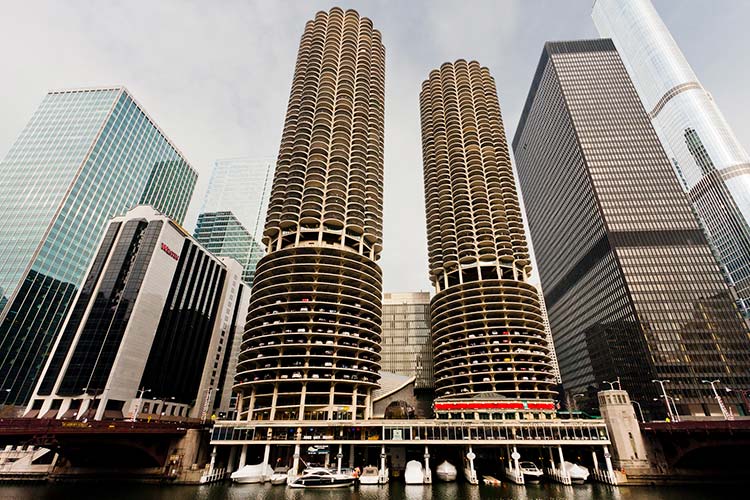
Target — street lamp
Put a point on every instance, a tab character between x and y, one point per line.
138	404
672	415
640	410
612	384
722	407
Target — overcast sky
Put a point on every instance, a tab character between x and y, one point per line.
216	75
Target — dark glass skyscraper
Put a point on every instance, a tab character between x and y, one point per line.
632	288
84	157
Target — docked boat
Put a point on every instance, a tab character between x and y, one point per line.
280	475
446	471
318	477
414	472
531	473
370	475
491	481
258	473
578	473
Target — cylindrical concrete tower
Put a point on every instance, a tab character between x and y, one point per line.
312	340
487	324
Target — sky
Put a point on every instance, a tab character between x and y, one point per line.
216	76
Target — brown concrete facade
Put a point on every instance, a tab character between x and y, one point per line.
312	339
487	324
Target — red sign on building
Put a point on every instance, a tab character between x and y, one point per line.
169	251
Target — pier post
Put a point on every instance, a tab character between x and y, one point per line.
338	460
382	464
427	471
472	473
243	456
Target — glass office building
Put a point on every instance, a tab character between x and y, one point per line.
406	348
84	157
712	165
233	212
630	283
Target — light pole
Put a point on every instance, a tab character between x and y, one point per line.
640	410
672	415
612	384
722	407
138	404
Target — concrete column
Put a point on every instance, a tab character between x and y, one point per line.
354	404
240	400
339	456
100	409
516	463
251	406
351	456
213	460
274	398
596	460
559	451
608	461
427	471
472	473
368	405
295	461
243	456
382	463
232	457
330	402
64	406
552	459
302	396
267	454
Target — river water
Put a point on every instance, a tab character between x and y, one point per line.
395	490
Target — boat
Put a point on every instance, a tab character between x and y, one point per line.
279	475
318	477
491	481
257	473
370	475
578	473
446	471
531	473
414	473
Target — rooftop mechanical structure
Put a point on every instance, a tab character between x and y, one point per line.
487	324
311	348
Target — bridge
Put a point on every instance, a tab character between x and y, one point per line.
120	448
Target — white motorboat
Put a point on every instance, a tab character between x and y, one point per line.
578	473
414	472
531	473
318	477
279	475
258	473
370	475
446	471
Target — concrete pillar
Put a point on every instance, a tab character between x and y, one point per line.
232	457
552	459
274	398
267	454
596	460
251	406
240	400
472	473
516	463
213	460
608	461
302	396
351	456
427	470
64	406
354	404
368	405
295	461
330	402
243	456
382	463
339	456
100	409
559	451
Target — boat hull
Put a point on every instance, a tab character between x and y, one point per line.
339	483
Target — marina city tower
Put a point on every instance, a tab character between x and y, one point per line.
487	325
312	339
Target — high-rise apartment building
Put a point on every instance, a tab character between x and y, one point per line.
234	209
712	165
406	348
84	157
632	288
150	331
487	325
312	340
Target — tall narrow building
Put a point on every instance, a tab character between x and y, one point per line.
632	288
487	325
712	165
84	157
312	340
230	223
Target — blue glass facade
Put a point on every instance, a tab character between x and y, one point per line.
223	235
85	157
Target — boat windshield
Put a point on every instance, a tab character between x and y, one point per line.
529	466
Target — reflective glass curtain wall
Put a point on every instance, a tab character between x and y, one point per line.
712	165
630	283
407	344
84	157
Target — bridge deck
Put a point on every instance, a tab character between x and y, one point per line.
35	427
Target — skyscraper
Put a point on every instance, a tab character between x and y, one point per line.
312	340
487	325
712	165
630	283
407	346
233	212
84	157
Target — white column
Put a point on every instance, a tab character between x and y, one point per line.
240	399
251	406
339	456
516	464
608	461
302	396
213	460
472	473
243	456
427	471
552	459
295	462
274	398
354	404
559	451
368	405
382	463
596	460
330	402
267	454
